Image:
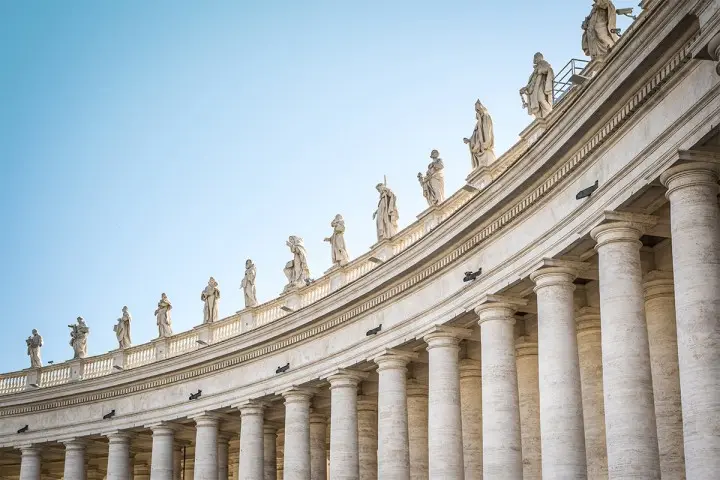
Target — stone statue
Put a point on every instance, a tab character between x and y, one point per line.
78	338
248	284
537	95
386	216
433	183
337	241
482	141
296	270
211	296
163	317
600	32
34	342
122	329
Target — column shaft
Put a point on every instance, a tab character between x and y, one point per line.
206	438
318	453
297	434
163	458
344	463
471	411
529	407
177	462
222	456
368	437
502	457
393	454
74	460
444	417
695	228
270	452
30	463
630	427
118	464
417	405
252	457
561	414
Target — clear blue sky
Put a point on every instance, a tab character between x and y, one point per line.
145	146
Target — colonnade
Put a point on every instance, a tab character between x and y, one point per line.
628	387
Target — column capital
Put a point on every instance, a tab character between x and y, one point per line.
524	347
554	276
689	175
74	443
441	335
29	450
366	403
416	389
205	419
224	437
658	284
318	418
612	232
119	436
298	395
394	359
587	319
161	428
346	378
470	368
498	307
250	408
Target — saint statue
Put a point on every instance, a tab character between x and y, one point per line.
211	296
433	183
337	241
163	317
122	329
537	95
248	284
296	270
34	342
600	30
386	216
78	338
482	140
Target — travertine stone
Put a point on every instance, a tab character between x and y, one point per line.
79	333
662	337
248	284
444	418
211	297
337	242
161	465
34	343
296	270
223	445
599	35
163	317
74	460
270	452
177	462
561	413
537	95
297	434
417	405
386	216
118	463
471	411
30	463
122	329
393	454
502	457
344	425
206	440
318	454
368	437
482	140
251	441
280	451
433	183
695	227
591	378
630	427
529	406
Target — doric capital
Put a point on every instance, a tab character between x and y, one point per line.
119	437
498	307
205	419
689	175
29	450
74	443
617	232
251	408
587	319
298	395
524	346
658	284
343	378
394	359
318	418
470	368
444	336
554	277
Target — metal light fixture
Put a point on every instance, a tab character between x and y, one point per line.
374	331
283	369
109	415
195	396
470	276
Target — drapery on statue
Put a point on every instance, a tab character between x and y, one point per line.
211	296
122	329
482	140
248	284
78	338
599	27
34	342
296	270
433	183
163	317
537	95
386	216
337	242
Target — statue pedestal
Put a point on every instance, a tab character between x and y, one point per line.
247	319
430	217
204	334
479	178
77	367
161	348
32	376
382	251
118	360
337	277
291	300
533	132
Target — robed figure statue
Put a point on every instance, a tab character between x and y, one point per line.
122	329
296	270
34	342
248	284
78	338
537	95
337	242
433	183
600	30
162	314
211	296
386	216
482	140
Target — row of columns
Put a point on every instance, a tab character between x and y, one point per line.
640	420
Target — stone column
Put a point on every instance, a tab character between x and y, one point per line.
318	454
252	456
393	454
417	404
444	418
118	463
177	462
223	446
74	460
591	378
368	437
630	427
528	379
344	463
695	228
280	452
471	411
502	457
561	414
206	440
297	434
30	463
270	452
662	337
161	464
